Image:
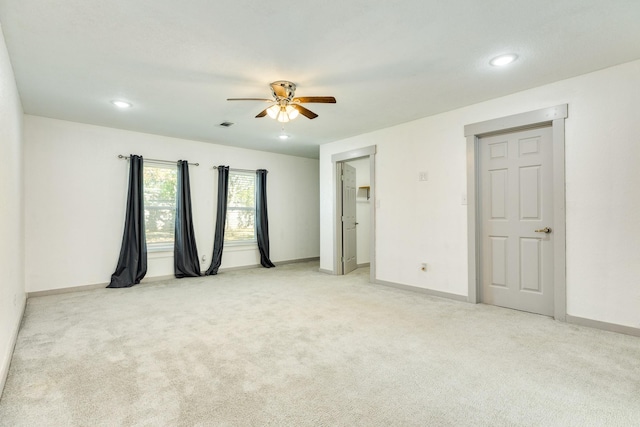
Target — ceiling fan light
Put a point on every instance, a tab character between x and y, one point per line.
283	117
292	112
273	111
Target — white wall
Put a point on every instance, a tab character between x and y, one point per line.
426	222
362	209
12	289
76	190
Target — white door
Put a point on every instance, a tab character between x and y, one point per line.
516	210
349	237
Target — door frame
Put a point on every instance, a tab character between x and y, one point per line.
344	157
555	117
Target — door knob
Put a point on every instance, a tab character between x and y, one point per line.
544	230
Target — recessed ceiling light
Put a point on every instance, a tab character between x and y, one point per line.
283	136
121	104
502	60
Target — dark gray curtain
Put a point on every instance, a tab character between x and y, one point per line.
221	217
185	252
132	263
262	222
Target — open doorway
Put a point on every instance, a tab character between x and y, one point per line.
356	215
354	222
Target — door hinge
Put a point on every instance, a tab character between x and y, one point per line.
342	259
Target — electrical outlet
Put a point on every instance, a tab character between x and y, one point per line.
423	176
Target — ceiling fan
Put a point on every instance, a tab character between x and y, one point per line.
285	106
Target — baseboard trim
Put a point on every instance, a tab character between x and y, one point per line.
241	267
325	271
364	264
91	287
66	290
155	279
6	363
277	263
295	261
434	293
605	326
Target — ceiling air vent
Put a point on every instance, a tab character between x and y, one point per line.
226	124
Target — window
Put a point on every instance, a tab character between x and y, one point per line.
160	205
241	208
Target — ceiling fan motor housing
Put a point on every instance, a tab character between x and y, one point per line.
283	90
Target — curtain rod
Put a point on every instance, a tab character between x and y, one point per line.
169	162
239	170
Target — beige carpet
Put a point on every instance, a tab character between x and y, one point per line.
293	347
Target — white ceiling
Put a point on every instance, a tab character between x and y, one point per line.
386	62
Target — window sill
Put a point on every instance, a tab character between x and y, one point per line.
240	246
160	248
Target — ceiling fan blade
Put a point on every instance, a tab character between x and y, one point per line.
250	99
262	113
305	112
317	99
